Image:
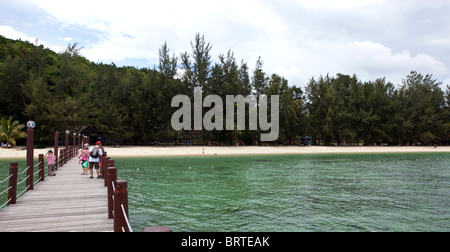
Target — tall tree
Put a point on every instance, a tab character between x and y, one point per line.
320	96
423	103
167	64
202	60
259	79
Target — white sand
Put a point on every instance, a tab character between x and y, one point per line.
142	151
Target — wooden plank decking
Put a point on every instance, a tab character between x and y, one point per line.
67	202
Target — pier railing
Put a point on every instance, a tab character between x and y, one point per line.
117	195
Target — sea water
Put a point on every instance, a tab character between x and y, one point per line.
321	192
318	192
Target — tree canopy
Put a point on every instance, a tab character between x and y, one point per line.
64	90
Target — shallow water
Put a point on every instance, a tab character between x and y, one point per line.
319	192
339	192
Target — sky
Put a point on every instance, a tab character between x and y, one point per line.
296	39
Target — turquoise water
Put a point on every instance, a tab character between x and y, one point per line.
340	192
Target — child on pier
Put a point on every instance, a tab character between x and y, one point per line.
84	159
51	160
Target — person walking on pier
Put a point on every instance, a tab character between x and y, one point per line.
51	160
94	159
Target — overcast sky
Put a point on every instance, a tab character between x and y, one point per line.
297	39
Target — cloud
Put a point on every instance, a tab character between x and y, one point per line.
377	58
138	28
297	39
337	5
10	32
441	42
370	60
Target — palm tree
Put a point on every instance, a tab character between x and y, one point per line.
11	131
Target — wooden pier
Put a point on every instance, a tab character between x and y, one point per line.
67	202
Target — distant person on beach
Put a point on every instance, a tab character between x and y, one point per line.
51	160
94	159
7	145
84	159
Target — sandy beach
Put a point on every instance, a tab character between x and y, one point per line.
179	151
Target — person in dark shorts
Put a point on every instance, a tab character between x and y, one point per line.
94	159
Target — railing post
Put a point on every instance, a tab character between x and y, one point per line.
74	144
102	164
12	193
120	198
60	163
106	164
56	149
41	167
30	158
66	143
111	177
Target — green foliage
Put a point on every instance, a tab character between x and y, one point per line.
128	105
344	110
10	130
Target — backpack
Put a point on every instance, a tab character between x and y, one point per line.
94	152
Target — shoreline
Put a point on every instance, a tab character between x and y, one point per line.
190	151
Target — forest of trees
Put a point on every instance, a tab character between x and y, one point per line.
127	105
